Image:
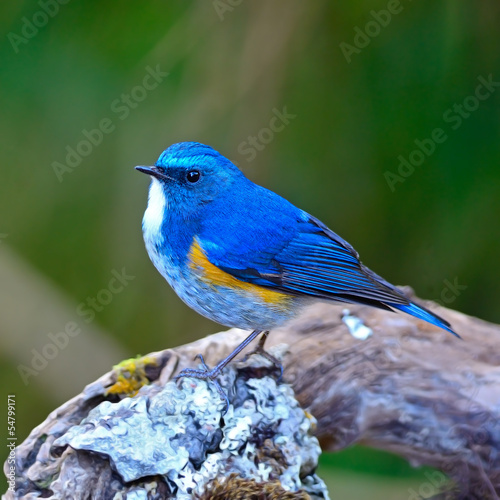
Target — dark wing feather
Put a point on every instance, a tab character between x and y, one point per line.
319	263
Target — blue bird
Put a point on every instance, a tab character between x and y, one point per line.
245	257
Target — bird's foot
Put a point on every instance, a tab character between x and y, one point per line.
211	374
262	352
206	374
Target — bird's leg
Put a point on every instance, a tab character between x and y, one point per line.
260	350
206	373
212	374
222	394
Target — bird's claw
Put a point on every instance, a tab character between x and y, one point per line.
205	374
275	361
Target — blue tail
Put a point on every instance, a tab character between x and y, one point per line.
422	313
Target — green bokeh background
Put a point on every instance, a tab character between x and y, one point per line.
228	69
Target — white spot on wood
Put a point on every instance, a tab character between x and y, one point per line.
356	326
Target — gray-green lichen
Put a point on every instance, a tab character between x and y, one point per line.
173	442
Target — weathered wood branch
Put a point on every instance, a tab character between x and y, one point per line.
410	388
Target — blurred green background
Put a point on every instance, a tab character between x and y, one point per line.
223	69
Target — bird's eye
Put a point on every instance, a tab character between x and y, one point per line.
193	176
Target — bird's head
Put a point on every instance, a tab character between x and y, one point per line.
187	176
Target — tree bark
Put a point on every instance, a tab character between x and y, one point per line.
410	388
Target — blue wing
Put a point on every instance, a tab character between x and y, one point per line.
297	254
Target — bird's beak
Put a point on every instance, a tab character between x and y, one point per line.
153	172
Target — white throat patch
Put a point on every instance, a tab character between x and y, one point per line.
153	216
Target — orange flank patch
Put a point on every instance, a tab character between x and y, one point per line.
217	277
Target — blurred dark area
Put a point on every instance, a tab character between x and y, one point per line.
379	118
